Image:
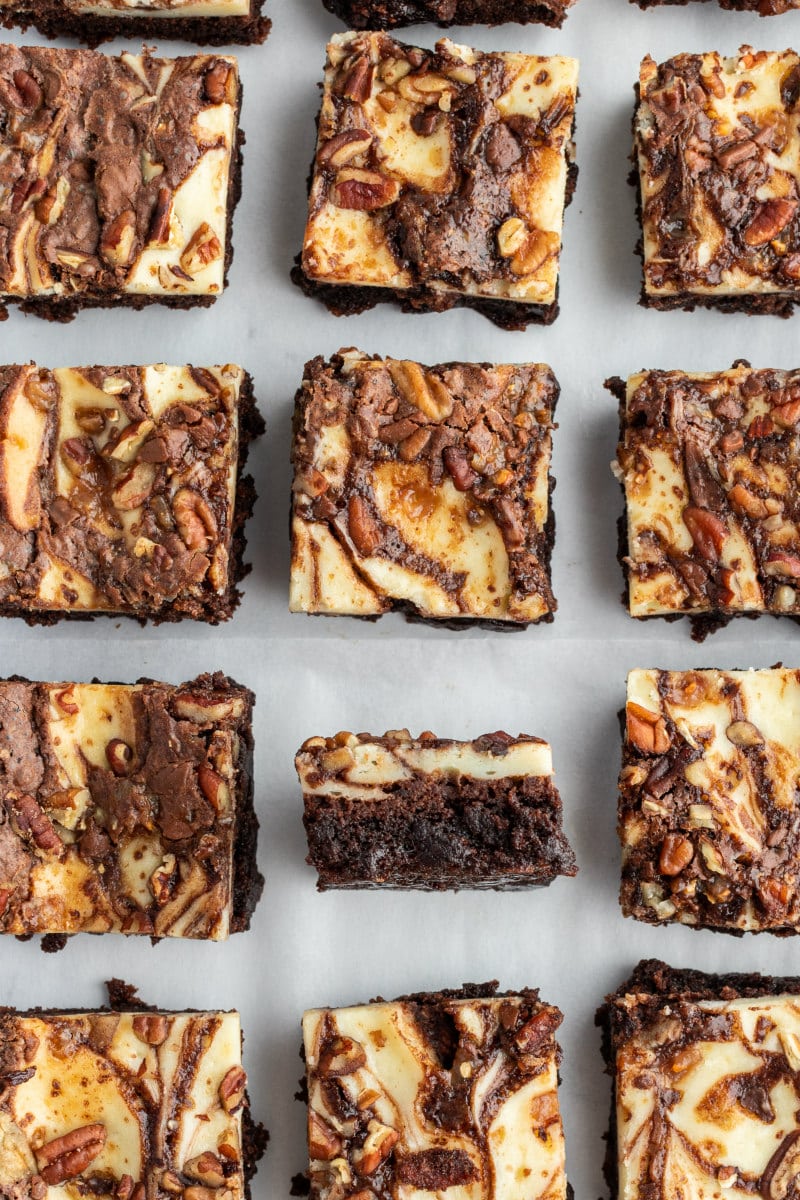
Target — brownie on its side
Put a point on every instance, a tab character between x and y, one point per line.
423	488
127	1102
389	14
209	22
440	179
717	148
431	813
708	799
121	491
441	1090
706	1087
127	809
119	180
708	465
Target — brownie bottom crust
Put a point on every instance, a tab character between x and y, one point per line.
344	300
51	19
764	8
502	835
389	14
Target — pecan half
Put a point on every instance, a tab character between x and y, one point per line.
646	730
676	853
219	83
363	190
362	526
202	249
343	147
205	1168
707	531
769	219
66	1156
151	1028
31	819
194	518
232	1089
538	1029
358	84
421	388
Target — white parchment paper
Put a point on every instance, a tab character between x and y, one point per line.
564	682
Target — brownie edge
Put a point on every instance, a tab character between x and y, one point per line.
50	18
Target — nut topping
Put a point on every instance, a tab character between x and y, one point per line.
343	147
202	249
205	1168
420	388
151	1028
378	1145
323	1142
232	1090
194	518
67	1156
117	242
119	755
363	527
363	190
342	1056
676	853
220	84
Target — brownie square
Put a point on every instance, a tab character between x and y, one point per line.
424	489
705	1084
126	1103
708	463
389	14
119	181
127	809
209	22
708	799
122	491
435	1091
432	813
716	145
440	178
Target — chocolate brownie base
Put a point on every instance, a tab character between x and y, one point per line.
390	14
347	301
50	18
443	835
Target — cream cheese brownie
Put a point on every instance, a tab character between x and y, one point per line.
388	14
423	488
118	178
439	1092
440	178
122	492
432	813
708	463
210	22
127	809
705	1097
708	799
127	1104
716	140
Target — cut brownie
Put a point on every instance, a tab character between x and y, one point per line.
706	1093
440	179
708	465
389	14
708	799
119	178
121	491
423	488
127	809
127	1104
210	22
716	140
427	812
438	1092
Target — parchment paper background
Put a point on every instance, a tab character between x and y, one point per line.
564	682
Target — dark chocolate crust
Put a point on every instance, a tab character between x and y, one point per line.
437	833
50	18
217	607
389	14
